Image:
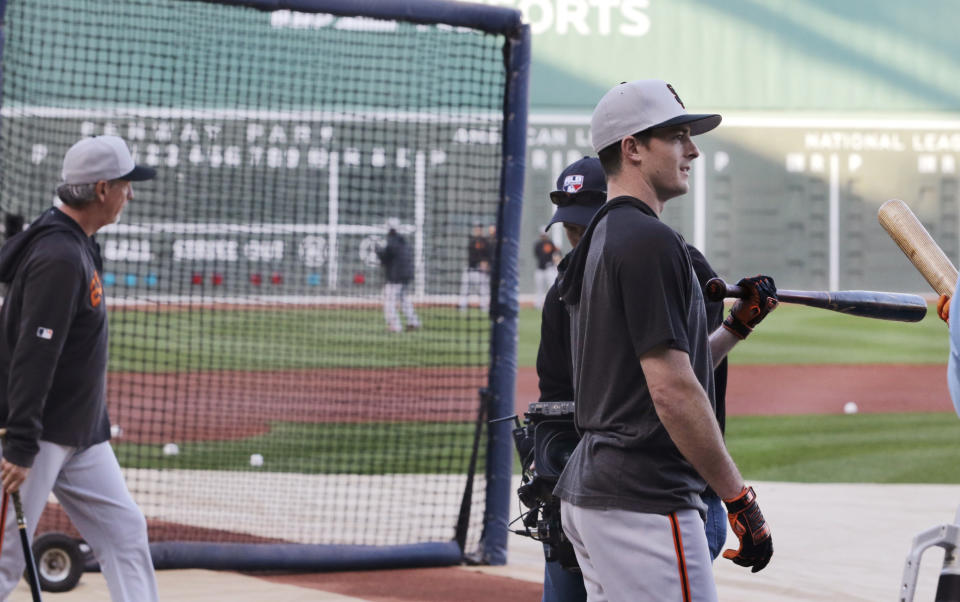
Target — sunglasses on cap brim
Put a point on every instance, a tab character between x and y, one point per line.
561	198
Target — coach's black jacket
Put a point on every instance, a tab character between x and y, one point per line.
397	259
53	343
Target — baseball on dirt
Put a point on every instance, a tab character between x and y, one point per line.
171	449
850	408
116	430
256	460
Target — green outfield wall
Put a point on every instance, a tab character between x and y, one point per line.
793	197
830	108
805	55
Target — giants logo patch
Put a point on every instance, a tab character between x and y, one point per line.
572	184
96	290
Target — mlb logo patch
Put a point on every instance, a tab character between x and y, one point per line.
572	183
45	333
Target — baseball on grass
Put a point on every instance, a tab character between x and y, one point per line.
171	449
850	408
256	460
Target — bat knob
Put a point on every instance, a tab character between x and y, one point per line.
715	289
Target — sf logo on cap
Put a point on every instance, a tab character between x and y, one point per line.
674	92
572	184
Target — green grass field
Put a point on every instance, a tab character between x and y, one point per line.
877	448
328	448
794	334
322	338
860	448
292	339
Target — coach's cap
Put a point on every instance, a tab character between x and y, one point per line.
581	189
102	158
632	107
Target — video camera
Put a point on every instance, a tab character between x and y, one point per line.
545	441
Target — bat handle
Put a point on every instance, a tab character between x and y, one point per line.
717	290
18	508
31	568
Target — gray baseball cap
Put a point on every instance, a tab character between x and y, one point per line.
632	107
102	158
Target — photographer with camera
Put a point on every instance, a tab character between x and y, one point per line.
581	191
643	360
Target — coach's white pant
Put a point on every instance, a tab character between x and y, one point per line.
637	557
90	488
476	282
394	294
543	279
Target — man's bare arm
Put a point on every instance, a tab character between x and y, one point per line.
722	341
685	411
745	314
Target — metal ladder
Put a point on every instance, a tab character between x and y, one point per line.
948	586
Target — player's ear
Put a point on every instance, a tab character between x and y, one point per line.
100	189
630	151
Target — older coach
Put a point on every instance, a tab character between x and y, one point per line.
53	373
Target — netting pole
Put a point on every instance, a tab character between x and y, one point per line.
3	44
504	309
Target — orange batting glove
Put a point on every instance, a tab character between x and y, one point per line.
756	545
747	313
943	308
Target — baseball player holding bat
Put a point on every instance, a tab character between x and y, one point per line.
643	370
53	363
581	191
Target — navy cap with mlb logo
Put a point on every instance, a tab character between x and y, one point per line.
581	190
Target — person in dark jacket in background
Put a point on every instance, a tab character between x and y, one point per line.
547	256
53	373
476	276
397	261
581	191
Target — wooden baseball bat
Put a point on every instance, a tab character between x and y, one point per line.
919	247
898	307
32	577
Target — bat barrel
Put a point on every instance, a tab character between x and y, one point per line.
897	307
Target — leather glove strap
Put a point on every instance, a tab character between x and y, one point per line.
736	327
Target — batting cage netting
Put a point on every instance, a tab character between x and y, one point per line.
259	390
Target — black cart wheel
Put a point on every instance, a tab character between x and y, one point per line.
59	562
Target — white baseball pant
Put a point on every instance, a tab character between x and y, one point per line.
637	557
90	488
